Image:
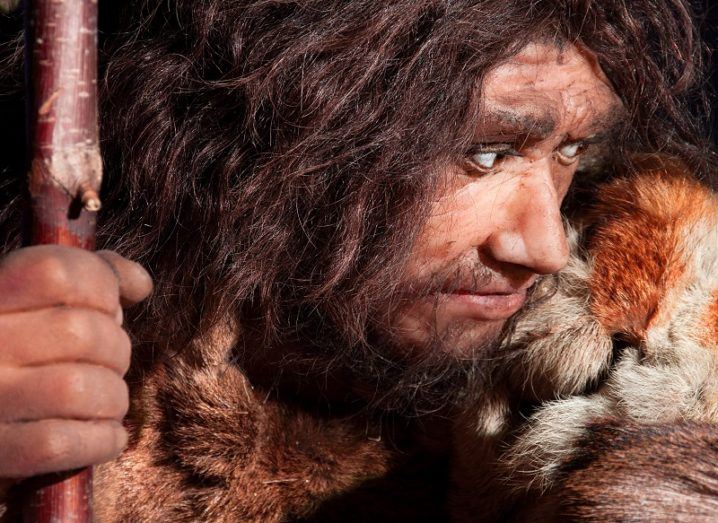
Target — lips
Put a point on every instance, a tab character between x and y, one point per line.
491	303
485	306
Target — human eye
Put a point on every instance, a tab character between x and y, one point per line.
569	153
483	158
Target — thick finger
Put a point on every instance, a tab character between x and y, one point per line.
63	391
63	334
135	281
39	447
51	275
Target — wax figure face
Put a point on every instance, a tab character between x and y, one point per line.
496	224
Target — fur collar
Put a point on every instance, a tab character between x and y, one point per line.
627	333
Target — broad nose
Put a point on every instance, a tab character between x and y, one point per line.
532	233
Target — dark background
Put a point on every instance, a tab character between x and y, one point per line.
708	22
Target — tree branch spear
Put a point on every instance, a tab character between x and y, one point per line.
65	174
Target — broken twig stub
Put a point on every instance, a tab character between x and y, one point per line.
65	154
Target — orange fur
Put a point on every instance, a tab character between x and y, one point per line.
638	246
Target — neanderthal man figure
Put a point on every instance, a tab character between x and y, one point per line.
344	205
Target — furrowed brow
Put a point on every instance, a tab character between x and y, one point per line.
500	124
608	123
497	124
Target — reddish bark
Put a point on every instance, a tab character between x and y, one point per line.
55	498
65	174
65	167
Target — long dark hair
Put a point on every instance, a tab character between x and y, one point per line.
272	160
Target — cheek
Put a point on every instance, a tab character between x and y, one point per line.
461	220
471	210
563	179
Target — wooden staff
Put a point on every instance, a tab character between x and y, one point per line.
65	174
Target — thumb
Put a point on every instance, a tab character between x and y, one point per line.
134	281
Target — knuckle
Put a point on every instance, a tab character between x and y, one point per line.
111	401
119	396
52	273
124	351
123	402
76	326
85	333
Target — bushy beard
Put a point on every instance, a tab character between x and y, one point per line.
428	384
385	372
418	378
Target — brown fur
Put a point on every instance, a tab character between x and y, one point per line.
210	446
214	450
628	472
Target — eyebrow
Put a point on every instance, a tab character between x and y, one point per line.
524	127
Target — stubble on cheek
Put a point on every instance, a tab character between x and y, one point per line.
423	322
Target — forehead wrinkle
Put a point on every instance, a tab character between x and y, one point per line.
592	109
536	123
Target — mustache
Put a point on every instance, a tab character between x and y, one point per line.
469	277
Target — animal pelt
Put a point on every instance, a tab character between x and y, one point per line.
603	374
210	446
207	445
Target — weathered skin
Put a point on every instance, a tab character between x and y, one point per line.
505	222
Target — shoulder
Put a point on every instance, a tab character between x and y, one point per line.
209	446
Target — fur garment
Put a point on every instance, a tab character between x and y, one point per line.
613	364
625	349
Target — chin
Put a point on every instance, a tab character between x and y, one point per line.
472	339
463	339
425	371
